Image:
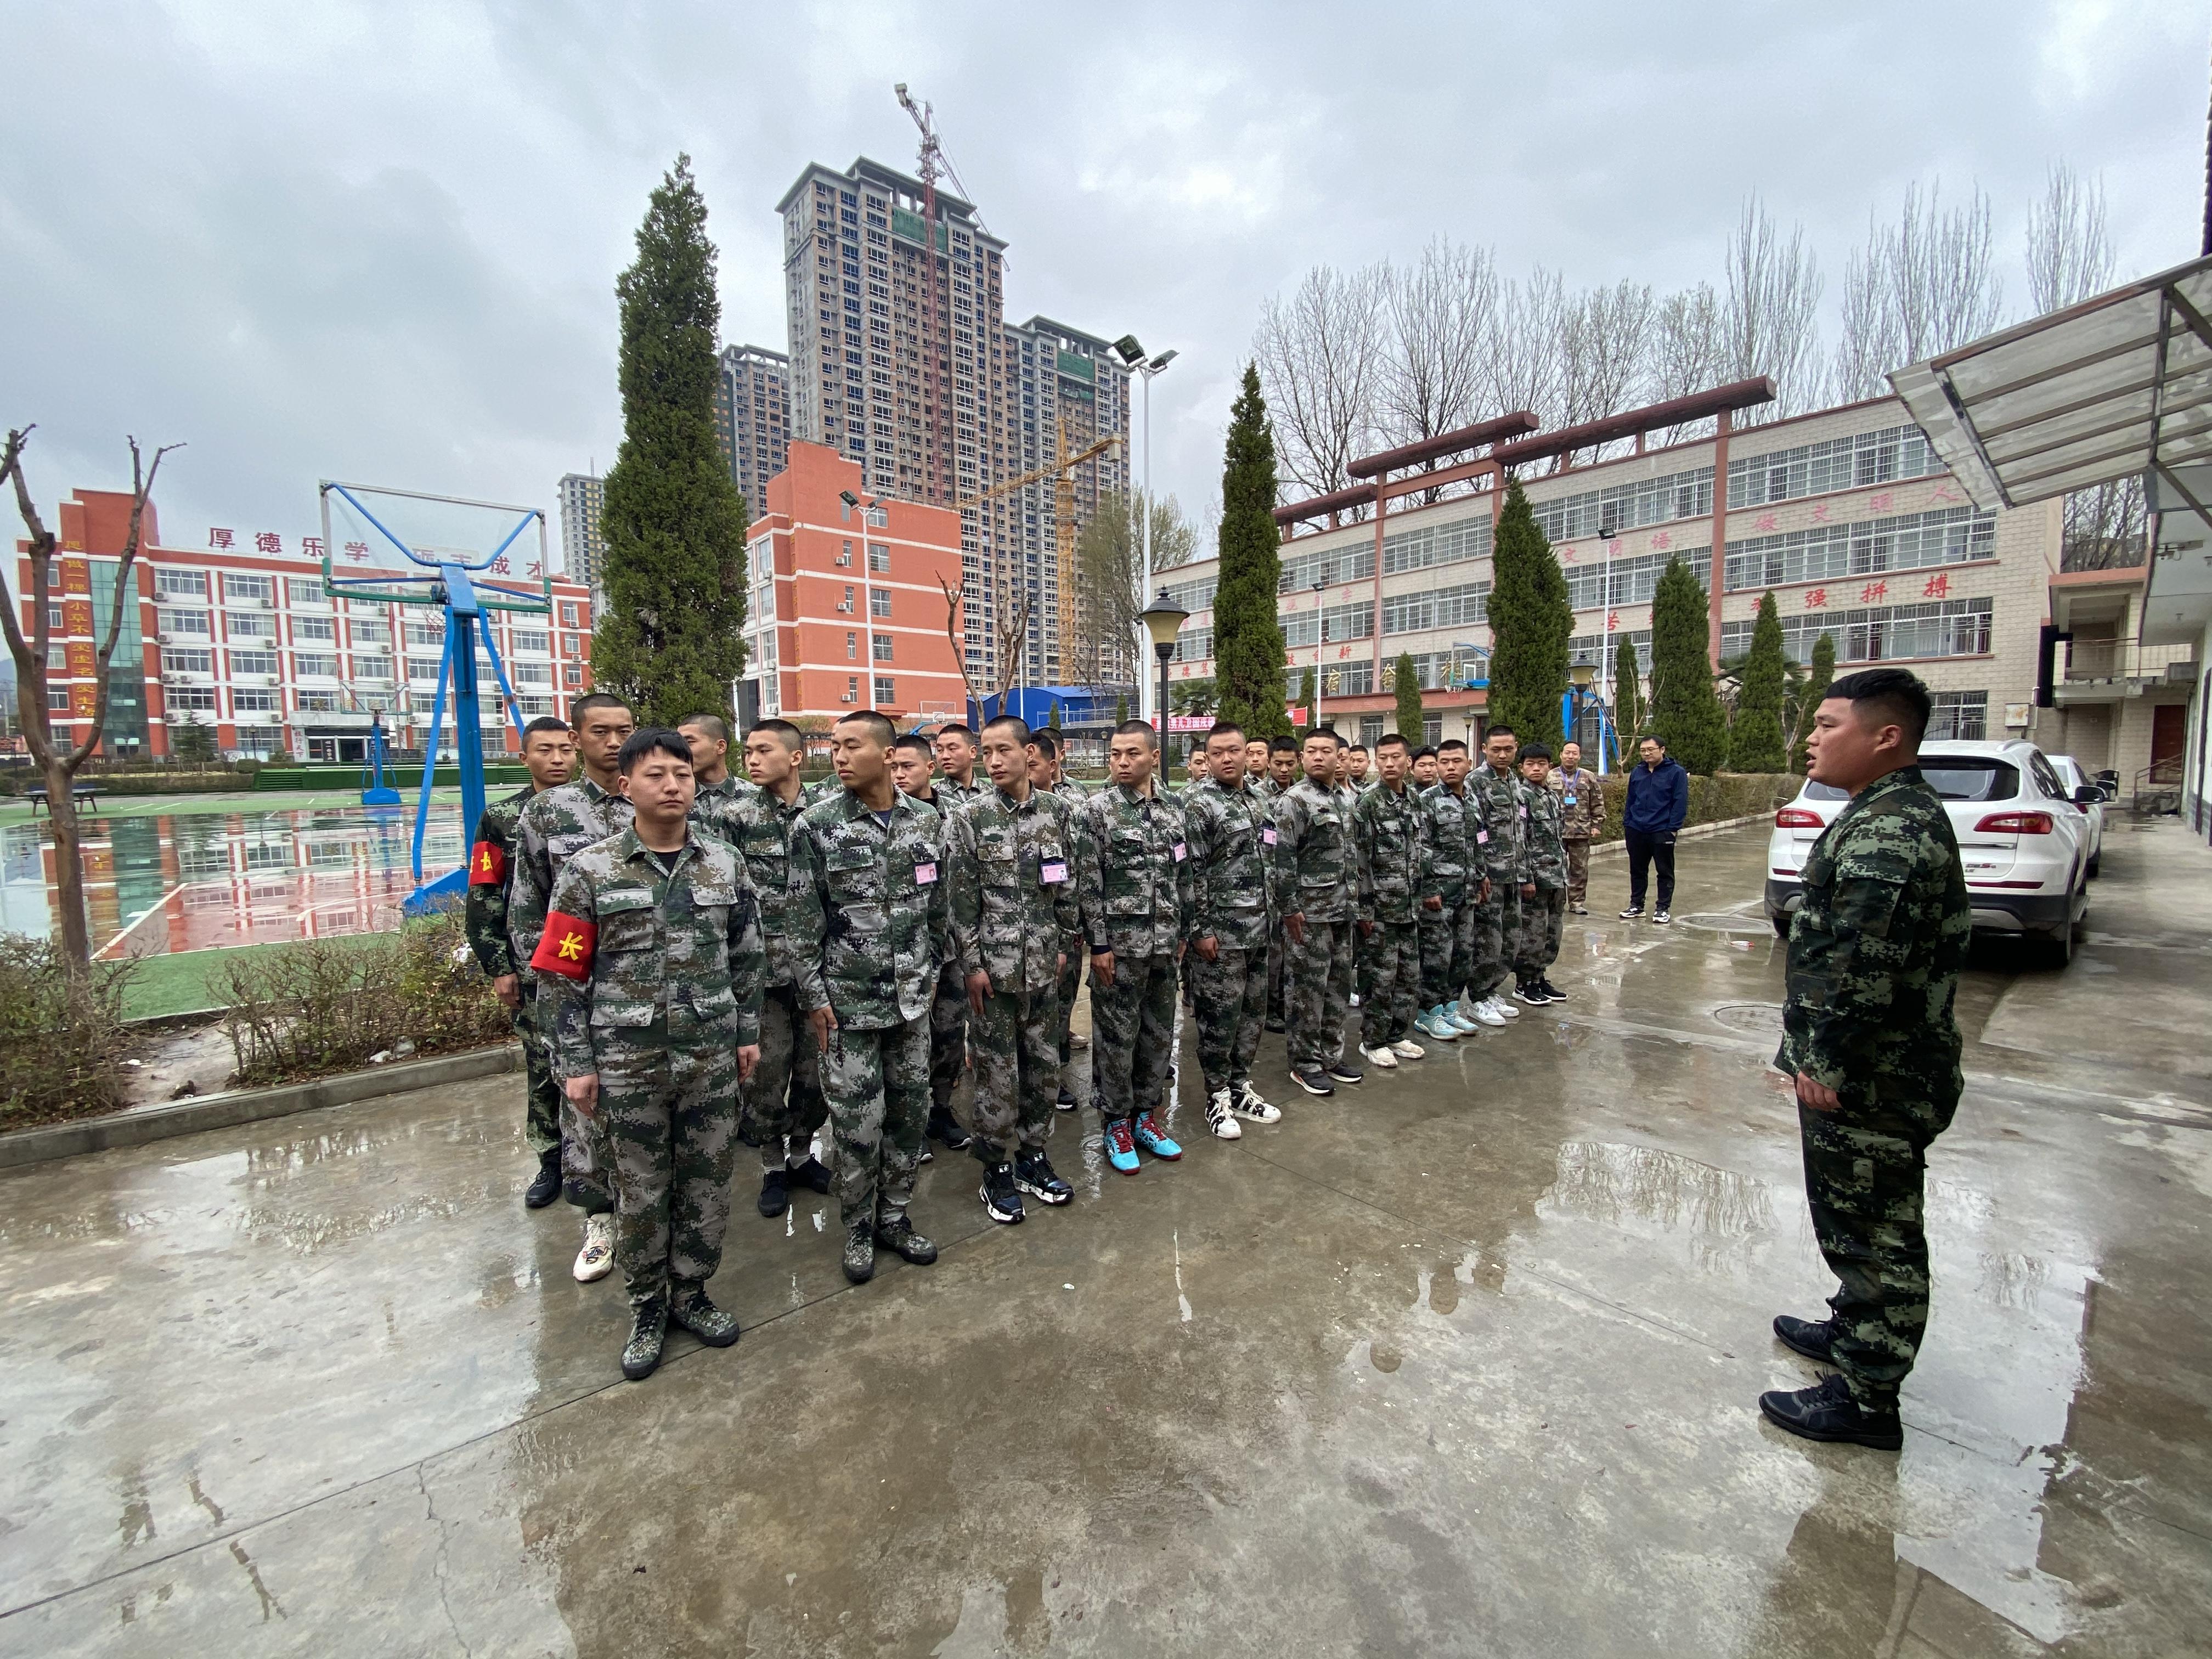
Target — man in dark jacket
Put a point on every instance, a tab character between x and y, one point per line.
1658	802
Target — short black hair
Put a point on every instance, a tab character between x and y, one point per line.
1887	696
1426	752
1500	730
1535	751
1356	748
1048	745
651	740
590	700
1328	731
879	726
1282	746
1138	728
713	725
789	735
1022	734
1223	729
1390	737
959	732
542	724
915	743
1653	737
1451	743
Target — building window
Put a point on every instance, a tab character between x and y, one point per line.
187	662
319	702
533	673
250	625
1830	552
852	687
879	602
58	699
314	628
256	702
1963	716
880	646
58	660
851	647
568	613
255	662
181	622
572	674
303	662
197	698
180	584
886	691
375	633
372	668
306	590
430	634
1858	462
53	619
236	587
425	668
526	639
845	557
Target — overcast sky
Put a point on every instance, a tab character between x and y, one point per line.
379	242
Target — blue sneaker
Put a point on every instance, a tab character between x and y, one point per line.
1459	1020
1431	1024
1154	1139
1121	1146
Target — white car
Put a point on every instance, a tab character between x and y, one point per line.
2076	780
2023	836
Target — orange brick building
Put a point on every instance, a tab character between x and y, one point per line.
848	606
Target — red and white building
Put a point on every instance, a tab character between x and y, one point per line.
240	636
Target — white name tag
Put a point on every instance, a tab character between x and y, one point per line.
924	874
1568	801
1482	837
1052	873
1267	837
1182	851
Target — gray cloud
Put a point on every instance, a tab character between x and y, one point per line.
379	242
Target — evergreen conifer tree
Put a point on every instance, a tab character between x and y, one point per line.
1627	699
1120	709
1755	740
1407	680
1531	622
1309	699
1686	711
1248	655
1818	678
668	637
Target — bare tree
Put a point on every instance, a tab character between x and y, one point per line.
952	638
1919	287
1605	339
1689	353
58	766
1109	564
1523	365
1439	313
1321	359
1769	321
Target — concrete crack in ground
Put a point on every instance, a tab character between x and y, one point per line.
430	1510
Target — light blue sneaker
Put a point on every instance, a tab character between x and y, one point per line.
1458	1015
1432	1024
1153	1139
1121	1145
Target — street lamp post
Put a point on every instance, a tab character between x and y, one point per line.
1133	355
1162	619
1605	639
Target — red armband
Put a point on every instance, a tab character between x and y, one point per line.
486	865
565	947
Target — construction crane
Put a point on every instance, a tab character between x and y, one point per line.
1062	474
1060	470
926	168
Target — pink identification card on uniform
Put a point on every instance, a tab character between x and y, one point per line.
1267	837
1051	873
924	874
1182	851
1482	837
1524	812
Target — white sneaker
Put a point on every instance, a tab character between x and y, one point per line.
1382	1057
1219	1119
1245	1101
1483	1013
1503	1007
1406	1048
597	1259
1355	999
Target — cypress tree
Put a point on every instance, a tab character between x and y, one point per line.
668	637
1407	680
1309	699
1818	678
1685	712
1120	709
1248	655
1627	698
1531	622
1755	742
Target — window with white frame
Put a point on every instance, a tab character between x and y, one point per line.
370	630
252	662
1962	716
257	702
533	673
371	668
197	699
181	622
306	590
180	584
879	557
320	630
186	662
886	690
1856	462
238	586
879	602
249	625
880	646
306	663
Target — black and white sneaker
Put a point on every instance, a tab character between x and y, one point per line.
1551	992
1631	913
1033	1174
1527	990
1343	1071
1661	918
1000	1201
1067	1101
1313	1080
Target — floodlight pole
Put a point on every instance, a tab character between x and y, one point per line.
1605	642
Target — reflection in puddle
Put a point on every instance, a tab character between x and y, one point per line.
1723	1211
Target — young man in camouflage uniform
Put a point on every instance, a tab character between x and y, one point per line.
709	738
1317	875
1256	762
782	1105
1425	768
1282	773
1136	910
876	860
1396	886
1016	875
1448	931
1582	820
911	759
1544	912
1869	1034
957	777
650	963
1231	841
553	828
1503	845
1045	774
548	749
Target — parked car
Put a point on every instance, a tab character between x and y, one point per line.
2077	781
2023	837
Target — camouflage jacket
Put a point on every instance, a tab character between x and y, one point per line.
1078	826
951	795
1581	803
634	937
879	893
1232	842
1317	856
1395	861
1875	954
713	809
765	831
1136	897
1500	836
491	863
1016	874
554	827
1545	858
1452	861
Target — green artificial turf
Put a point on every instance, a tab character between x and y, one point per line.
185	982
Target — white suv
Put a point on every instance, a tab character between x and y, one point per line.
2022	837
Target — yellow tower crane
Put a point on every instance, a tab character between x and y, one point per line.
1062	473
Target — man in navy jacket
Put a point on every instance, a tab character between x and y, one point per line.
1658	802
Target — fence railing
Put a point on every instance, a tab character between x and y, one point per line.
2124	660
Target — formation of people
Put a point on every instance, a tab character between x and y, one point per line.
698	962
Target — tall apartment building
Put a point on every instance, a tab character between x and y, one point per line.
752	413
1848	515
583	549
249	644
880	329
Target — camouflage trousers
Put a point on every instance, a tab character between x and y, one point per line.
1389	982
948	1034
1229	995
1132	1035
877	1084
1865	1180
1543	919
1016	1071
1578	870
782	1101
1497	926
583	1166
667	1117
1071	981
1317	992
1275	975
541	1124
1446	953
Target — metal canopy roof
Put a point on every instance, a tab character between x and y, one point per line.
2118	385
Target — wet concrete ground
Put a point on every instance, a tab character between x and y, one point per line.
1461	1361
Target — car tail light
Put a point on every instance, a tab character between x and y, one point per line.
1796	818
2016	823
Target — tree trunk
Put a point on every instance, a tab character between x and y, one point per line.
69	866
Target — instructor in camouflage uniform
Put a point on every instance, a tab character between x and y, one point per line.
1869	1036
1462	885
1397	883
1317	875
1016	919
548	749
651	963
1544	912
1582	820
876	860
1232	842
1501	845
1136	910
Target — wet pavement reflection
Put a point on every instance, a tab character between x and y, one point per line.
1461	1361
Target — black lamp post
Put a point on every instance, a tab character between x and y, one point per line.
1162	619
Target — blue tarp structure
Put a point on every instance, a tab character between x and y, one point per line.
1079	706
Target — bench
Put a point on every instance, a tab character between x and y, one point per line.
83	794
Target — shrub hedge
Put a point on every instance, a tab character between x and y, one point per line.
62	1041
